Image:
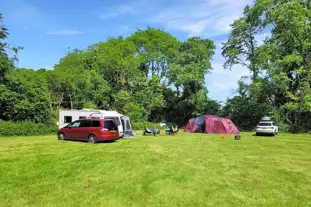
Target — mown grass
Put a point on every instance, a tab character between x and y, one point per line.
182	170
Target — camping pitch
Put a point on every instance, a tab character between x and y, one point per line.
212	125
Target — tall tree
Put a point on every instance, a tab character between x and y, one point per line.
284	56
156	50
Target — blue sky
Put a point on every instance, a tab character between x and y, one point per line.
46	28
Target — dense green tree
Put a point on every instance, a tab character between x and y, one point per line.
31	96
284	57
149	75
156	49
3	35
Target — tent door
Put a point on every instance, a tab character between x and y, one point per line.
123	124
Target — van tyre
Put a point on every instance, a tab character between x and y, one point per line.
92	138
61	136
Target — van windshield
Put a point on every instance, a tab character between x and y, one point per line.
264	124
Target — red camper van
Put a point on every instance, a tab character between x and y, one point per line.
93	130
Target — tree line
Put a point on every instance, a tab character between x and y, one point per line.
152	76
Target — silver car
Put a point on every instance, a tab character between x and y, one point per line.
267	128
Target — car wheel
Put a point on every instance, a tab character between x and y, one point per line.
92	138
61	136
274	133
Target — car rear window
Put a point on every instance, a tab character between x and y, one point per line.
96	123
264	124
116	119
110	125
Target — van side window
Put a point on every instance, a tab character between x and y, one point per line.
86	123
82	117
67	119
96	124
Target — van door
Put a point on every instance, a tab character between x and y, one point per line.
110	129
117	120
72	130
84	129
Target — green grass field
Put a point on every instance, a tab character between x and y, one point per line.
182	170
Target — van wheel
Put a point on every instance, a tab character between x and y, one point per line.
92	138
61	136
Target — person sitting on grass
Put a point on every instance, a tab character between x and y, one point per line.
174	130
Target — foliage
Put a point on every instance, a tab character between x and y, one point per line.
283	59
26	128
3	35
140	125
150	76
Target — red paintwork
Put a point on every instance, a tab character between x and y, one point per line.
82	133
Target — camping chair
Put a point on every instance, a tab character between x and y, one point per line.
173	130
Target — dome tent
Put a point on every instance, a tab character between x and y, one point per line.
212	125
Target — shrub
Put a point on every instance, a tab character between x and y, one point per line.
142	125
25	128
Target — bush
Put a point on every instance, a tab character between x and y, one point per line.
142	125
25	128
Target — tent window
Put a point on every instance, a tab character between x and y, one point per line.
200	120
127	125
67	119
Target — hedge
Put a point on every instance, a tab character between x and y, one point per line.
26	128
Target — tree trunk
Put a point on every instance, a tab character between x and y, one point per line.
71	103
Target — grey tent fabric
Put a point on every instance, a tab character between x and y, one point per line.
128	132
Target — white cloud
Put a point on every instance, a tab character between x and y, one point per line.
223	79
64	32
117	11
108	15
221	82
201	18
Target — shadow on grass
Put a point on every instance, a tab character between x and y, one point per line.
85	141
263	135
